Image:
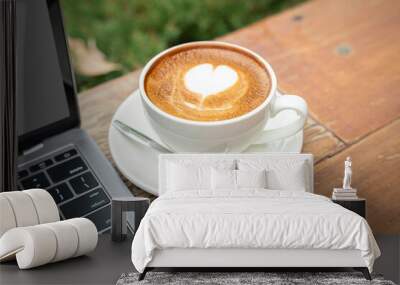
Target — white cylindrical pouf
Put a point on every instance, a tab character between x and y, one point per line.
37	245
67	239
23	208
45	205
33	246
7	218
87	235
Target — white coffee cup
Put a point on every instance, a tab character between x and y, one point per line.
232	135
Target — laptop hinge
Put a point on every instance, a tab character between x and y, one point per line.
33	149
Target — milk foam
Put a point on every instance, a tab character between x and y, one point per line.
206	79
207	83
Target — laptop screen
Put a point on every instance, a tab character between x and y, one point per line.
46	102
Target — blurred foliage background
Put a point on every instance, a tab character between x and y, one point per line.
111	37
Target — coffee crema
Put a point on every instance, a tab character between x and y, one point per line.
207	83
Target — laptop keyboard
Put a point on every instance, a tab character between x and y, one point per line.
72	184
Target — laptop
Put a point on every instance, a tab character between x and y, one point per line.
54	152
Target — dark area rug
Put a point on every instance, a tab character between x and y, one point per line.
273	278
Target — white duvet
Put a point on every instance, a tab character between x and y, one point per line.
253	218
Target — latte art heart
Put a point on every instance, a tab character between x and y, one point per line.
206	79
207	83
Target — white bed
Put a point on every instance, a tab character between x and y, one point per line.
250	227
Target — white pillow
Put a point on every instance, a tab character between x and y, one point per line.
181	178
236	179
293	179
223	179
193	174
282	174
251	178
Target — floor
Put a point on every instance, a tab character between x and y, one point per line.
97	268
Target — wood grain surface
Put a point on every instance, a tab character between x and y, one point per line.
343	57
375	175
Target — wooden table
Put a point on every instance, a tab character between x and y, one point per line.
343	57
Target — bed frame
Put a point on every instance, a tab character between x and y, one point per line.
237	259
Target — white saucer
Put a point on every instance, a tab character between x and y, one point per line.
139	163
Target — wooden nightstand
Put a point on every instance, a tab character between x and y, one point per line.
358	206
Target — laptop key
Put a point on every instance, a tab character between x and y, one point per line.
36	181
84	204
101	218
65	155
60	193
41	165
67	169
83	183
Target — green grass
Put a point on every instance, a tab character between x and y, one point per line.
130	32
